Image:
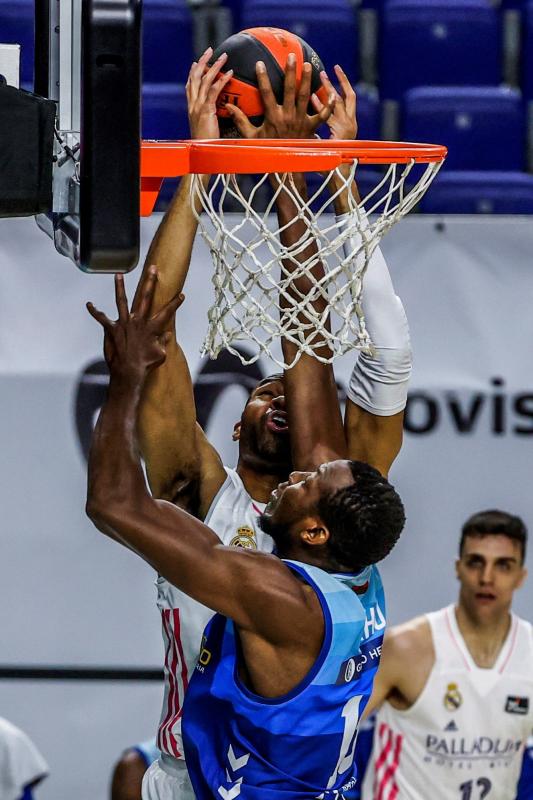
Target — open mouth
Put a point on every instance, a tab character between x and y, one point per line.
485	597
276	422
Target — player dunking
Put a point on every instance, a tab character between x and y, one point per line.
456	686
181	464
284	667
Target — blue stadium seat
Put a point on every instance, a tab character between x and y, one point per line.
438	43
483	127
368	113
331	28
167	41
16	27
479	193
164	111
527	51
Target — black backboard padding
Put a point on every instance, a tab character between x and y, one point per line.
110	135
41	67
26	150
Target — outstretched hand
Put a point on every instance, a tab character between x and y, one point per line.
289	120
134	344
342	122
203	88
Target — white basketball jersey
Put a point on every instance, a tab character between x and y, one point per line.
463	739
233	515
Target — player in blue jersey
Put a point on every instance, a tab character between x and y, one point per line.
288	662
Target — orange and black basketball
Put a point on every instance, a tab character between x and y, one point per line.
272	46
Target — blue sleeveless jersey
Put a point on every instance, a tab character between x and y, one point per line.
300	745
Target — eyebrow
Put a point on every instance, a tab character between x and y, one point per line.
499	560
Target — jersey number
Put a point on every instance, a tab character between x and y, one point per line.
350	712
466	789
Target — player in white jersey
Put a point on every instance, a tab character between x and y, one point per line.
455	687
183	467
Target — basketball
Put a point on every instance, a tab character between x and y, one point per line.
272	46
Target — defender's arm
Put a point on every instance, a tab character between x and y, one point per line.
181	464
377	392
311	397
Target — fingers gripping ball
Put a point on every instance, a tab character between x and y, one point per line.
272	46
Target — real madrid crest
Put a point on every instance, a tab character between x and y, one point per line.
453	698
245	538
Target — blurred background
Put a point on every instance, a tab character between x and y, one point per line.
81	651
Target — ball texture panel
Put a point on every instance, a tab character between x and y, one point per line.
272	46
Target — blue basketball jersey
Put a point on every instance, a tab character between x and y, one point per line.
300	745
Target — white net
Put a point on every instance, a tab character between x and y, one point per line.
258	279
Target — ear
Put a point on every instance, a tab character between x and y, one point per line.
313	531
457	562
522	578
236	435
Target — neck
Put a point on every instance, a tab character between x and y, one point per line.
309	555
260	480
483	637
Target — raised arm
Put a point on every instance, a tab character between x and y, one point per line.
377	391
256	590
314	416
181	464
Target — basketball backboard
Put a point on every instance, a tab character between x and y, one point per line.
88	59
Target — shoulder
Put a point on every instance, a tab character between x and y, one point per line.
414	636
12	737
526	626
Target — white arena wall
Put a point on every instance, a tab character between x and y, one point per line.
70	597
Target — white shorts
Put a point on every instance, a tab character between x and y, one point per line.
158	784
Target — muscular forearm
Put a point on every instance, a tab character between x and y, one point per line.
171	247
115	474
295	237
118	501
344	192
310	389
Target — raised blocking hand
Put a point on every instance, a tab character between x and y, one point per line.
202	89
134	344
289	120
342	122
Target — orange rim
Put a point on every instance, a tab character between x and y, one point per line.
161	160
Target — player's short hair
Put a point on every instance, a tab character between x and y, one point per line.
496	522
364	520
276	376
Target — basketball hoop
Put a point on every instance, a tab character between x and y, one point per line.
255	273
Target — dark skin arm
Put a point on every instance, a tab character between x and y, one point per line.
317	434
279	618
371	438
126	781
181	464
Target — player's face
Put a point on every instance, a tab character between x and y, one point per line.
264	431
297	497
489	571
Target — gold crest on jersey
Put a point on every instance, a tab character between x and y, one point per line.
245	538
453	698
